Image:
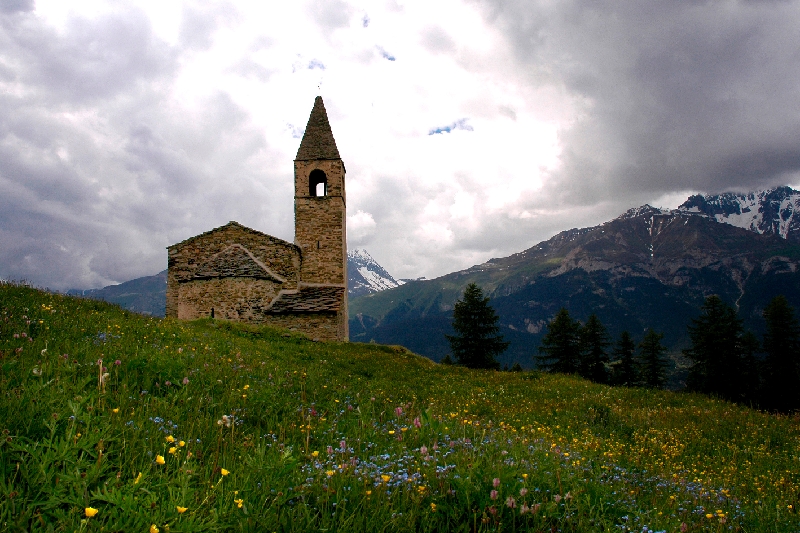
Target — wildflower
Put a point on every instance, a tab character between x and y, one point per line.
182	444
511	503
329	450
496	482
180	509
117	362
398	411
173	450
522	492
368	492
315	453
224	472
391	432
524	509
709	515
238	502
37	371
115	410
329	473
90	512
170	439
160	459
535	508
684	528
557	498
138	479
433	507
417	423
493	495
342	445
185	381
385	478
154	528
423	450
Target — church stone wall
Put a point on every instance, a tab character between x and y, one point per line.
240	299
318	326
185	258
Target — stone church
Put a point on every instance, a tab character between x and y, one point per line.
237	273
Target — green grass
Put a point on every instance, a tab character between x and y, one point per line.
333	436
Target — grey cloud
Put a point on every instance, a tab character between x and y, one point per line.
670	95
16	6
435	39
199	24
331	14
100	171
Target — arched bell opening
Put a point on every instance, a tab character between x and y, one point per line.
317	183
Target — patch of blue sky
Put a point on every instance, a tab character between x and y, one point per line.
365	20
460	124
296	131
385	54
316	63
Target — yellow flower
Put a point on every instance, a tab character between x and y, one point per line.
709	515
138	479
238	503
391	432
433	507
160	459
369	492
385	478
330	472
173	449
315	453
182	444
170	439
90	512
154	528
246	387
180	509
115	410
224	472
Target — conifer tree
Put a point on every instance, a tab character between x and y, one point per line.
594	343
716	351
625	370
477	341
561	347
652	363
782	346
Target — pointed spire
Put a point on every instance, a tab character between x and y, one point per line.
318	141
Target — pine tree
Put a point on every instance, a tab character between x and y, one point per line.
561	347
782	346
651	360
625	370
594	342
716	351
477	342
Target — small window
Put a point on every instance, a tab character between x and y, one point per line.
317	183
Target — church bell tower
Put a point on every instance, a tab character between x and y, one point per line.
320	211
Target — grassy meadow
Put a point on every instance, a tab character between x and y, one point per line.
113	421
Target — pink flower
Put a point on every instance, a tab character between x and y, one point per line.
557	498
398	411
493	495
684	527
342	446
185	381
522	492
417	423
492	510
496	482
117	362
524	509
511	503
535	508
423	450
330	450
435	446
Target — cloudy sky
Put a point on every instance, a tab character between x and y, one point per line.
470	129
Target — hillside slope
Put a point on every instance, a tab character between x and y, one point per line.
119	422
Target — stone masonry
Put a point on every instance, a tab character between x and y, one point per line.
237	273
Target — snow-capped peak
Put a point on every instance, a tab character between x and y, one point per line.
365	275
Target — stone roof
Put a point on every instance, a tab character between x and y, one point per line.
308	300
233	224
318	141
235	261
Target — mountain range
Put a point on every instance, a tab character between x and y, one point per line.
648	268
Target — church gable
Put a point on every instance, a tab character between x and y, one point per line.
235	261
